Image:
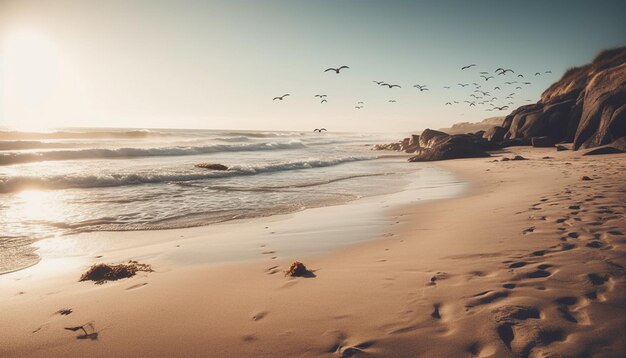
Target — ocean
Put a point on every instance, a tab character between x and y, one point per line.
78	180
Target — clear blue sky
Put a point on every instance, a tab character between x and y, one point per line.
218	64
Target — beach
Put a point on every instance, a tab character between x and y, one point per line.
527	260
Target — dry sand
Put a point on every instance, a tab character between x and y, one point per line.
528	262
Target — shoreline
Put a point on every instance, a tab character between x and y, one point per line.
487	273
339	219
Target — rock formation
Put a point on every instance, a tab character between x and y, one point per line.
586	106
435	145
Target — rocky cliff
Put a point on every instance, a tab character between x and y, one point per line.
586	106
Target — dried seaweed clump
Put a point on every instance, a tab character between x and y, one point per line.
297	269
101	273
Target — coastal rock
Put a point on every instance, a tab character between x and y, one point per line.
542	142
495	134
211	166
618	146
560	148
586	106
441	146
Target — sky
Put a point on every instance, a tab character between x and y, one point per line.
219	64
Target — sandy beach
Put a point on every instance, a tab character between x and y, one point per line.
528	261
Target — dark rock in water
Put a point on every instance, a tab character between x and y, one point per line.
560	148
505	159
585	178
495	134
211	166
542	142
586	106
518	157
431	138
435	145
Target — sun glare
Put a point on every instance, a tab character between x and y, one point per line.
30	65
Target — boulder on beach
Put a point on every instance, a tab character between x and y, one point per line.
211	166
433	145
542	142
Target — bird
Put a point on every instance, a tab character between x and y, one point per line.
320	95
358	107
503	71
526	83
518	87
379	82
446	87
390	85
537	74
463	84
392	101
484	73
501	108
281	97
520	75
486	77
496	88
468	66
421	87
323	101
473	95
336	69
548	71
455	102
508	83
448	103
359	103
319	130
472	104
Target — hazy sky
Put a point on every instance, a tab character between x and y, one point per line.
218	64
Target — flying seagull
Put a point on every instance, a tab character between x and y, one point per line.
446	87
359	103
484	73
468	66
379	82
392	101
526	83
448	104
390	85
548	71
501	108
504	71
537	74
281	97
323	101
320	95
496	88
358	107
486	77
336	69
319	130
463	84
520	75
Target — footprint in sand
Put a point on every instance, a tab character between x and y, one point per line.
139	285
259	315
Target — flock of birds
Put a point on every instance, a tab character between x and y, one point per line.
480	96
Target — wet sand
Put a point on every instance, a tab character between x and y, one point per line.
529	261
